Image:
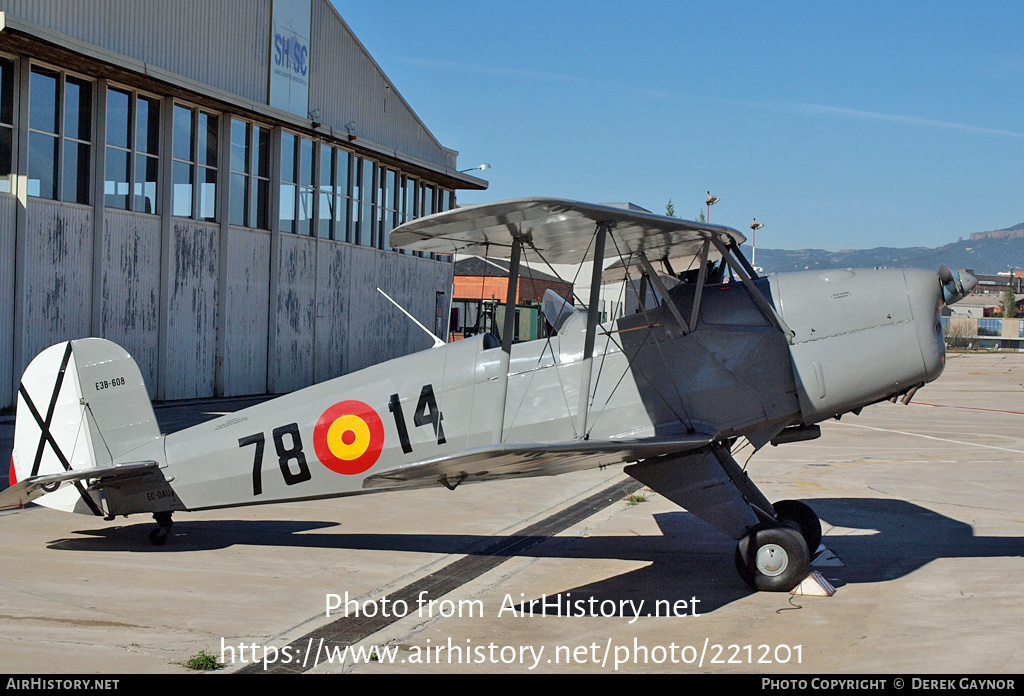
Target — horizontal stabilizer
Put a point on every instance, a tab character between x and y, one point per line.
24	492
521	460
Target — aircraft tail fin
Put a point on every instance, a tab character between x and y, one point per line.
82	405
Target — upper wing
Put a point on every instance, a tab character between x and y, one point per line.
560	229
529	459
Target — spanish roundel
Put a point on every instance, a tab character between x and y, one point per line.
349	437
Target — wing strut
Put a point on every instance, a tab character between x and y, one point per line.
600	232
702	276
650	273
766	308
511	297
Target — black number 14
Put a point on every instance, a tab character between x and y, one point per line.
426	412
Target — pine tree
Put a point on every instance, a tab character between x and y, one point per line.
1009	302
670	210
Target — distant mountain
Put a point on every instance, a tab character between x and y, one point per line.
984	252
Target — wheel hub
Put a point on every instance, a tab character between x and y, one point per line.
771	560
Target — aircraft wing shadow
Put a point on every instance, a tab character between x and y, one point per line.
876	539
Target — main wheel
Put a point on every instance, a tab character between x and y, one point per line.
773	559
800	516
158	537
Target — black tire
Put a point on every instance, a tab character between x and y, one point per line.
742	569
801	517
158	537
773	559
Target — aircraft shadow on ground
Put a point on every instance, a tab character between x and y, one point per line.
876	539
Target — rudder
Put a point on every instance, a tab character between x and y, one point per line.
81	405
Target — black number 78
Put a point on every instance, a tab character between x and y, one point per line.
284	456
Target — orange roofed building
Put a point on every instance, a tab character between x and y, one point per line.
479	296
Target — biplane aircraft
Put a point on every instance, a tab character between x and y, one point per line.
714	353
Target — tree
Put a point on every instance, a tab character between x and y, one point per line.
670	210
1009	302
700	217
958	335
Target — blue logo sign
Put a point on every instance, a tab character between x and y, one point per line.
291	53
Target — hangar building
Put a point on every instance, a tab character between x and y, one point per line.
210	185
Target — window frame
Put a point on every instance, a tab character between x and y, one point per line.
990	326
295	186
60	137
251	176
367	198
9	91
197	167
136	188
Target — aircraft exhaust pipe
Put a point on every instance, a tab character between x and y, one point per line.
956	285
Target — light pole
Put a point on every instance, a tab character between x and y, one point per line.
710	200
754	227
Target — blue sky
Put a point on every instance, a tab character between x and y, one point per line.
837	125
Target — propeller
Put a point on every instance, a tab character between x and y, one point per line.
956	285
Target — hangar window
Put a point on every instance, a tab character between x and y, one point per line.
194	166
364	202
427	201
390	198
322	191
342	194
325	196
409	204
60	136
133	151
288	177
250	175
6	123
306	190
297	192
445	201
410	196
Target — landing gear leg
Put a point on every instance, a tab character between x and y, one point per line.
158	537
775	541
772	559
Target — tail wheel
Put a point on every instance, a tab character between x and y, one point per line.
773	559
158	537
801	517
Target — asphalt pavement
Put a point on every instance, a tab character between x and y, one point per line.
923	522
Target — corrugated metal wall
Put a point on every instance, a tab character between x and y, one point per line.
330	319
355	326
246	307
346	85
8	210
332	309
376	329
130	287
57	283
226	44
222	43
296	313
192	316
